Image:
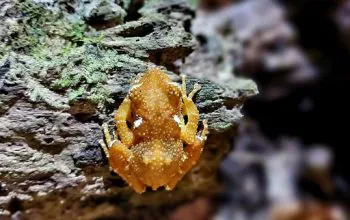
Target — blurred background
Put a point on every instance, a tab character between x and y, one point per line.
289	159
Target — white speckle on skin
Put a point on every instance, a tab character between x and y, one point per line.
175	84
177	119
135	86
138	122
199	138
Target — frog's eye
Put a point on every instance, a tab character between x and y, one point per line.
138	122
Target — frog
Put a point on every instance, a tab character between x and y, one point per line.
156	140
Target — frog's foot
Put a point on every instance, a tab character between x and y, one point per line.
104	148
189	130
204	133
107	142
196	89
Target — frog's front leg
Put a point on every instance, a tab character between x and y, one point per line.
189	131
193	153
121	116
120	160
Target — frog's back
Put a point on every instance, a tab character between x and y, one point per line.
155	104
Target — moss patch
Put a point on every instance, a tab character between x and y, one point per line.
35	24
61	54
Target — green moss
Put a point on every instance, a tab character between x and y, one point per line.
100	94
72	60
89	76
37	24
82	71
64	51
38	93
73	95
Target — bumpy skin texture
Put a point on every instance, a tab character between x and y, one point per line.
159	148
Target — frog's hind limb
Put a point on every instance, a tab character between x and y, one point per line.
121	117
107	138
193	152
120	160
189	130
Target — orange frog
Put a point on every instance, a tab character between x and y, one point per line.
155	146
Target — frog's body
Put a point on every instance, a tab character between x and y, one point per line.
157	148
